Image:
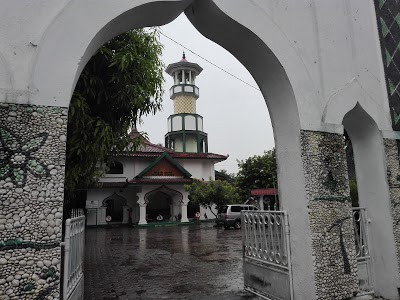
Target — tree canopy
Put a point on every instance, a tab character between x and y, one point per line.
120	84
257	172
216	192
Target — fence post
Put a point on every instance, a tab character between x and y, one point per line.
67	246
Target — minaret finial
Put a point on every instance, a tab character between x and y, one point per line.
183	55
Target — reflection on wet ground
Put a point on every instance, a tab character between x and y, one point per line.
182	262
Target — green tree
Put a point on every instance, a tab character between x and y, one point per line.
257	172
216	192
121	83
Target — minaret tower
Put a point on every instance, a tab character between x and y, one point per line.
185	126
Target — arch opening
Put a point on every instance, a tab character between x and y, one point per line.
214	23
114	205
373	195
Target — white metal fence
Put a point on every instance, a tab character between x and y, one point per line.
266	253
266	237
360	224
74	251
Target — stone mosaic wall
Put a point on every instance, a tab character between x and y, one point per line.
32	159
330	214
393	177
388	19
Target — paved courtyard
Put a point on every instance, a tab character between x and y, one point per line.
181	262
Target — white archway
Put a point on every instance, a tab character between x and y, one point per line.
275	65
373	193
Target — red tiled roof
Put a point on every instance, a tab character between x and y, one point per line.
160	180
264	192
146	145
177	155
148	149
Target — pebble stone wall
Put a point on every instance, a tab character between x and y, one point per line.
330	215
393	177
32	161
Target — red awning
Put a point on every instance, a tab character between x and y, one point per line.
264	192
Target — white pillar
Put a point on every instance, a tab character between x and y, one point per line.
142	212
184	203
101	216
183	76
261	201
203	211
125	214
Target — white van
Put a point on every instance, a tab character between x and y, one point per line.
229	215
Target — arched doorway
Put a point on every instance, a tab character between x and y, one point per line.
374	199
281	86
165	202
114	205
159	204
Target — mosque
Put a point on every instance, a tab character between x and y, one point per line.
141	186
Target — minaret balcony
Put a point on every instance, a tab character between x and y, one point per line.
178	122
180	89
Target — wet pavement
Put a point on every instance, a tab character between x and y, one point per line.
180	262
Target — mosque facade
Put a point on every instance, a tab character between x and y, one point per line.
143	185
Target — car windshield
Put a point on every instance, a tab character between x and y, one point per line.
223	209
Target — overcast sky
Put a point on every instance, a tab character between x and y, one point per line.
235	115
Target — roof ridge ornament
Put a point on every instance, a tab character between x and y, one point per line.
183	57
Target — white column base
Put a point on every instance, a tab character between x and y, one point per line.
125	214
142	218
184	213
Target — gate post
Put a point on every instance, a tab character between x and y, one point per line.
392	151
32	164
330	214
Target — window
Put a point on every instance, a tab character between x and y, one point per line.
223	209
180	78
236	208
187	78
115	167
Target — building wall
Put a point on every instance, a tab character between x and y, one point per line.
200	169
191	144
298	34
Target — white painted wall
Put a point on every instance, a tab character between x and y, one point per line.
199	168
324	46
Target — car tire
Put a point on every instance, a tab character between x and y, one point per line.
237	225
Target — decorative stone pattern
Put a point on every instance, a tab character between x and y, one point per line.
184	105
393	177
32	163
330	214
388	17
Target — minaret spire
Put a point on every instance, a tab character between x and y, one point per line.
185	126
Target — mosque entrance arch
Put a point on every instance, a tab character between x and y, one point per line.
303	142
114	205
165	202
270	58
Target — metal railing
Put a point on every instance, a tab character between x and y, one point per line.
74	247
360	232
266	237
360	224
